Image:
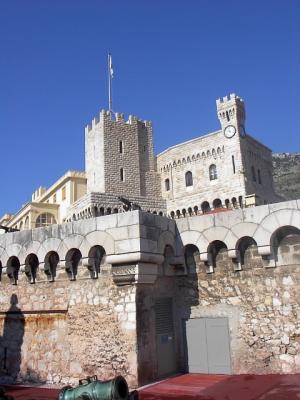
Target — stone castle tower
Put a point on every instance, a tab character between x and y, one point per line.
119	157
231	113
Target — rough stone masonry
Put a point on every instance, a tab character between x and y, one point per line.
103	309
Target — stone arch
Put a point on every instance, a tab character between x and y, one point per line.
217	250
165	239
217	203
191	258
50	265
13	249
31	267
51	244
97	238
96	258
205	207
220	234
190	237
73	258
28	248
285	243
69	242
248	253
218	150
12	269
198	156
271	223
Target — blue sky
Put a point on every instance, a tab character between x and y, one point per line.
172	60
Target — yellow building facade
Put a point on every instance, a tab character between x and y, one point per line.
48	206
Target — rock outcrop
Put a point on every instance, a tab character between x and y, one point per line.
287	175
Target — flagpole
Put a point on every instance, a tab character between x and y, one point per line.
109	83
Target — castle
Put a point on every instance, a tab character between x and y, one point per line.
226	169
146	266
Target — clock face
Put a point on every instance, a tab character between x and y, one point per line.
229	131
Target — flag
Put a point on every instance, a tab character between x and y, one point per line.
110	66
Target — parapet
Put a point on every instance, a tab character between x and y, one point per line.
38	193
232	97
109	116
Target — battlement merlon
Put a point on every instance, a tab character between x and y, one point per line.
226	101
117	117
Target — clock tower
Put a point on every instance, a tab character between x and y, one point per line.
231	114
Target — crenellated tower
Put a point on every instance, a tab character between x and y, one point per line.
231	114
119	156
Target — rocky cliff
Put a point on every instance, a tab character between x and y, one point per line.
287	175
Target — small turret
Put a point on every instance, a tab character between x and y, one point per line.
231	112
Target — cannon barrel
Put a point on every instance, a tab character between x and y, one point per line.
93	389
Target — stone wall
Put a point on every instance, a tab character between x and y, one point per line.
261	304
287	175
63	331
98	315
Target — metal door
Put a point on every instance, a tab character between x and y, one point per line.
164	327
208	345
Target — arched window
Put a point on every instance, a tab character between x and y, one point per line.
213	172
253	174
167	184
188	179
45	220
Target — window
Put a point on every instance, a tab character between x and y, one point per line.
167	184
188	179
253	174
121	147
63	193
122	175
259	176
45	220
54	198
213	172
233	164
